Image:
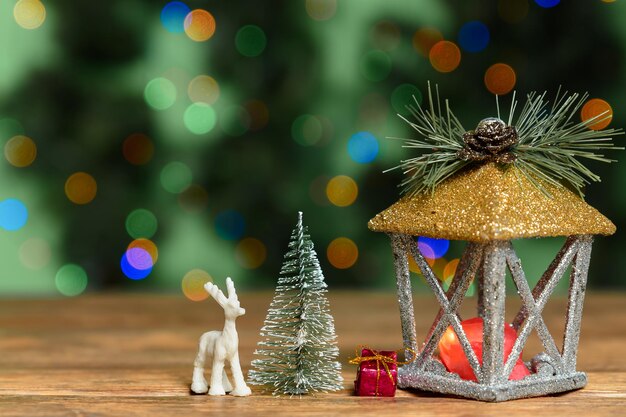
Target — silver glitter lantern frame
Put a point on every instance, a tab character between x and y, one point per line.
552	371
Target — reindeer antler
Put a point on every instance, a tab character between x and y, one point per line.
230	287
216	293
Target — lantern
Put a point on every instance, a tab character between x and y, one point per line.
488	205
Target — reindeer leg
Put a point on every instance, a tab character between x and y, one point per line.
241	389
216	376
226	382
198	382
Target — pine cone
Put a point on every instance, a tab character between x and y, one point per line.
490	142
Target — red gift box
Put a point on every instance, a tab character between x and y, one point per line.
377	375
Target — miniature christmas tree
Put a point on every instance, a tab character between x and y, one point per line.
299	352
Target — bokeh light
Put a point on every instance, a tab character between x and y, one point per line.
342	253
512	11
199	25
450	269
35	253
500	79
363	147
193	284
20	151
234	120
160	93
13	214
425	38
71	280
250	41
445	56
375	65
194	199
250	253
141	223
230	225
148	246
29	14
404	95
438	247
321	9
386	36
259	114
173	16
138	149
203	89
473	36
547	3
307	130
139	257
81	188
342	191
199	118
599	109
176	177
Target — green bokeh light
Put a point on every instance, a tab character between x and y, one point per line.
199	118
141	223
375	65
71	280
307	130
160	93
402	96
176	177
250	41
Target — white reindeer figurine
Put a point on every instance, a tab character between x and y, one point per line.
221	347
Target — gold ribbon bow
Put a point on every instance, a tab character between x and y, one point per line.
379	358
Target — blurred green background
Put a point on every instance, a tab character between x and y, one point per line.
200	128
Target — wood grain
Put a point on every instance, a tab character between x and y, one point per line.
132	355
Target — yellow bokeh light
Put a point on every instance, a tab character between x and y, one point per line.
199	25
424	39
342	190
598	109
500	79
147	245
250	253
450	269
29	14
193	284
20	151
81	188
321	9
342	253
203	89
445	56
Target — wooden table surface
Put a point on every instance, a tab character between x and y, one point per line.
132	355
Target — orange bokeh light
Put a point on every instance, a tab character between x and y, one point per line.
445	56
203	89
138	149
342	253
20	151
199	25
500	79
599	108
342	190
81	188
148	246
424	39
250	253
193	284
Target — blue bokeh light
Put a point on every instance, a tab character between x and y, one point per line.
363	147
473	36
547	3
13	214
139	258
230	225
173	16
439	247
132	272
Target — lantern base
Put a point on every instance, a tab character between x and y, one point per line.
531	386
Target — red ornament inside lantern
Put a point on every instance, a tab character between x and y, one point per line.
452	355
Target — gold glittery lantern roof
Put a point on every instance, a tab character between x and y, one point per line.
487	202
